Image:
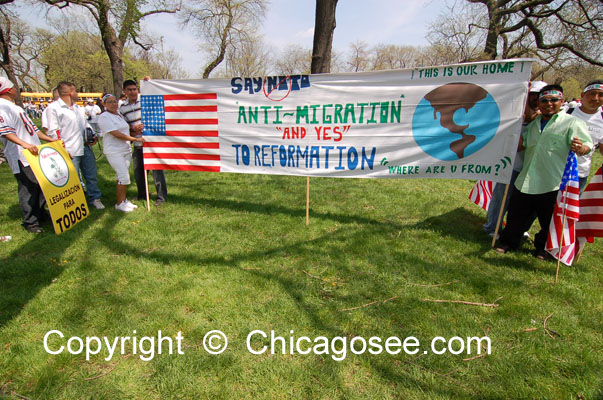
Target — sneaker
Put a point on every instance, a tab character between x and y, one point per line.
132	205
503	248
33	229
123	206
491	234
97	204
159	202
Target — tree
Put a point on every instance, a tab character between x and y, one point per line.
294	60
27	46
324	26
118	23
513	28
359	59
223	23
248	58
395	57
6	61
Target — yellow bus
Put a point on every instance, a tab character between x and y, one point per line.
40	98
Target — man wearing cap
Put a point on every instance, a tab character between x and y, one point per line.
547	142
590	112
530	112
19	133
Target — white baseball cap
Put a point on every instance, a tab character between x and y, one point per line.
5	85
537	86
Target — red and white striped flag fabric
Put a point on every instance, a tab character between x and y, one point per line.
181	132
561	242
481	194
590	224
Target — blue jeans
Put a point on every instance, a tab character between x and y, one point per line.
496	201
86	165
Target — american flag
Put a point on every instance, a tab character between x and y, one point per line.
590	224
181	132
481	194
561	241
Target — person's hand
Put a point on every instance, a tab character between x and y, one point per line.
33	149
578	148
95	141
138	129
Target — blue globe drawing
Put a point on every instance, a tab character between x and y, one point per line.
455	120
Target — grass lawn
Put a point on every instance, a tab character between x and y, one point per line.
232	252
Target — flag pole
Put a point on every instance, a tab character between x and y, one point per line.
146	186
562	234
580	251
560	247
500	214
307	200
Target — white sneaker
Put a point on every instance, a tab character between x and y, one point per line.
132	205
97	204
123	206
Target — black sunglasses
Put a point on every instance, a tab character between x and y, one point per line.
549	100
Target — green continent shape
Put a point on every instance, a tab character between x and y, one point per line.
447	100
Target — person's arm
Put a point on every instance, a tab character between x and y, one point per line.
581	143
53	123
520	144
33	149
45	137
121	136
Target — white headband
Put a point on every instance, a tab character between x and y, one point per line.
551	92
594	86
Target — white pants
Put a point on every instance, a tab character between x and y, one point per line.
121	164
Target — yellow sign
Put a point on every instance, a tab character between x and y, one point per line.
60	184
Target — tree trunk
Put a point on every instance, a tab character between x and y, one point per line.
490	50
114	48
324	26
6	62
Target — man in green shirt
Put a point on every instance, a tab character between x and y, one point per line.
547	142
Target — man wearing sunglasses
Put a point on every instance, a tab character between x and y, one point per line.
547	142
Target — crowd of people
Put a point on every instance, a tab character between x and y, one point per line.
78	128
550	130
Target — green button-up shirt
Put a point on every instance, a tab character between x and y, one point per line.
547	150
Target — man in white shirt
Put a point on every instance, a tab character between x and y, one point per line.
590	112
19	133
67	121
55	97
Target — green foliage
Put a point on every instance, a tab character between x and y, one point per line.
232	252
81	59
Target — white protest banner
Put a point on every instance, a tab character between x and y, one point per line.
457	121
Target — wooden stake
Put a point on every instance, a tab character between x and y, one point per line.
307	200
500	214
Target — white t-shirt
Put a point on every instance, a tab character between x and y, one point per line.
13	119
94	113
595	129
71	124
108	122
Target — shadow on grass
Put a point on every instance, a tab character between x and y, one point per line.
26	272
35	265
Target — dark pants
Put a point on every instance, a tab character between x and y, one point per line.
520	217
158	177
31	199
